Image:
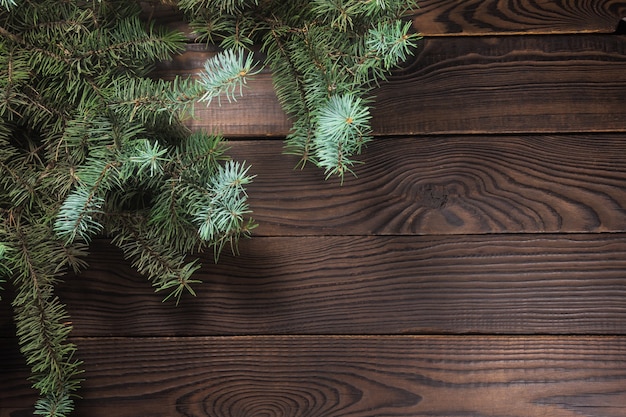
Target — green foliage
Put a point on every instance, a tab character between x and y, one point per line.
7	4
326	56
226	74
90	146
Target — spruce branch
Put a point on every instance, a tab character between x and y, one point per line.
226	74
4	261
7	4
146	100
223	207
88	145
227	6
148	158
4	256
291	93
78	216
41	320
316	50
342	130
155	258
390	42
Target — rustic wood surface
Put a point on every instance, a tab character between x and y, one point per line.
446	185
510	17
349	376
507	85
520	284
479	17
487	85
475	267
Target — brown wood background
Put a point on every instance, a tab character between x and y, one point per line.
476	267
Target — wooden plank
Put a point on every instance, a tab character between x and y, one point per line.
510	17
555	284
346	376
258	113
480	17
494	85
446	185
508	85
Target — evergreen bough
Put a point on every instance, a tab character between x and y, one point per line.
90	145
326	56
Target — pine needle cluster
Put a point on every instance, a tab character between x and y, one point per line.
326	56
91	146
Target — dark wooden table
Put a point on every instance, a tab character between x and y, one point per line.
476	267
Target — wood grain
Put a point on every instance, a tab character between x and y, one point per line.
508	17
494	85
346	376
258	113
476	267
533	284
508	85
446	185
479	17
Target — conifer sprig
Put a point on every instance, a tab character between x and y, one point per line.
342	129
317	50
7	4
41	319
90	146
226	74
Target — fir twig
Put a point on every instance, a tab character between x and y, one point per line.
226	74
90	145
87	144
316	50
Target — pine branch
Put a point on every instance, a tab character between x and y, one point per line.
92	146
342	130
226	74
41	320
145	100
8	4
159	261
317	50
